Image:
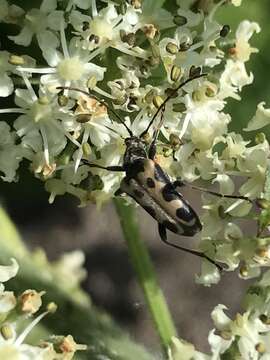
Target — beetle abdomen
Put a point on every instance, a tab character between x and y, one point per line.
151	188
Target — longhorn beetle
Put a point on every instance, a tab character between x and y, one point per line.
149	185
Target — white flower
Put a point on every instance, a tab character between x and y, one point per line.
236	2
10	153
254	163
42	23
69	268
182	350
68	183
233	78
152	13
206	121
245	30
260	119
210	274
6	84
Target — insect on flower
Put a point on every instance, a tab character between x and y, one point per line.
149	185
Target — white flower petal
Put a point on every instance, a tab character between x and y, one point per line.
236	2
220	319
82	4
55	19
6	85
8	271
218	344
260	119
226	185
7	301
209	274
246	29
48	5
24	38
46	39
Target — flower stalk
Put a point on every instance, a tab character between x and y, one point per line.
145	273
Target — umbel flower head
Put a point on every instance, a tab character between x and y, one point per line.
13	309
129	57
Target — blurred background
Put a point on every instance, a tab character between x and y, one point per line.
63	226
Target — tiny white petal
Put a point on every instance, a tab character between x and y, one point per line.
48	5
24	38
8	271
260	119
6	85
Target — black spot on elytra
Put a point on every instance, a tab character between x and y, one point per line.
171	226
150	182
169	193
184	213
150	211
160	175
139	194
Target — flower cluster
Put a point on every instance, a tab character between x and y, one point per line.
130	56
16	309
245	337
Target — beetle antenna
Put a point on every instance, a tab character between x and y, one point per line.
167	99
99	100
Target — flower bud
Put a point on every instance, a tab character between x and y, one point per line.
243	271
16	60
260	138
43	100
6	331
175	73
86	148
157	101
91	82
172	48
260	347
180	107
263	203
52	307
179	20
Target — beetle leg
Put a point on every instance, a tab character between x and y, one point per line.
178	183
109	168
163	235
182	183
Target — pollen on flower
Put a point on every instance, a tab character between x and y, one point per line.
101	28
30	301
71	69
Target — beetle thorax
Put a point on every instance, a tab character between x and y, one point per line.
135	149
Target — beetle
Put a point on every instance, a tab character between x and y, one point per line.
150	186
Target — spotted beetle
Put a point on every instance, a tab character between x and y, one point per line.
149	185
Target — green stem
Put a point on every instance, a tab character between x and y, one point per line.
146	274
